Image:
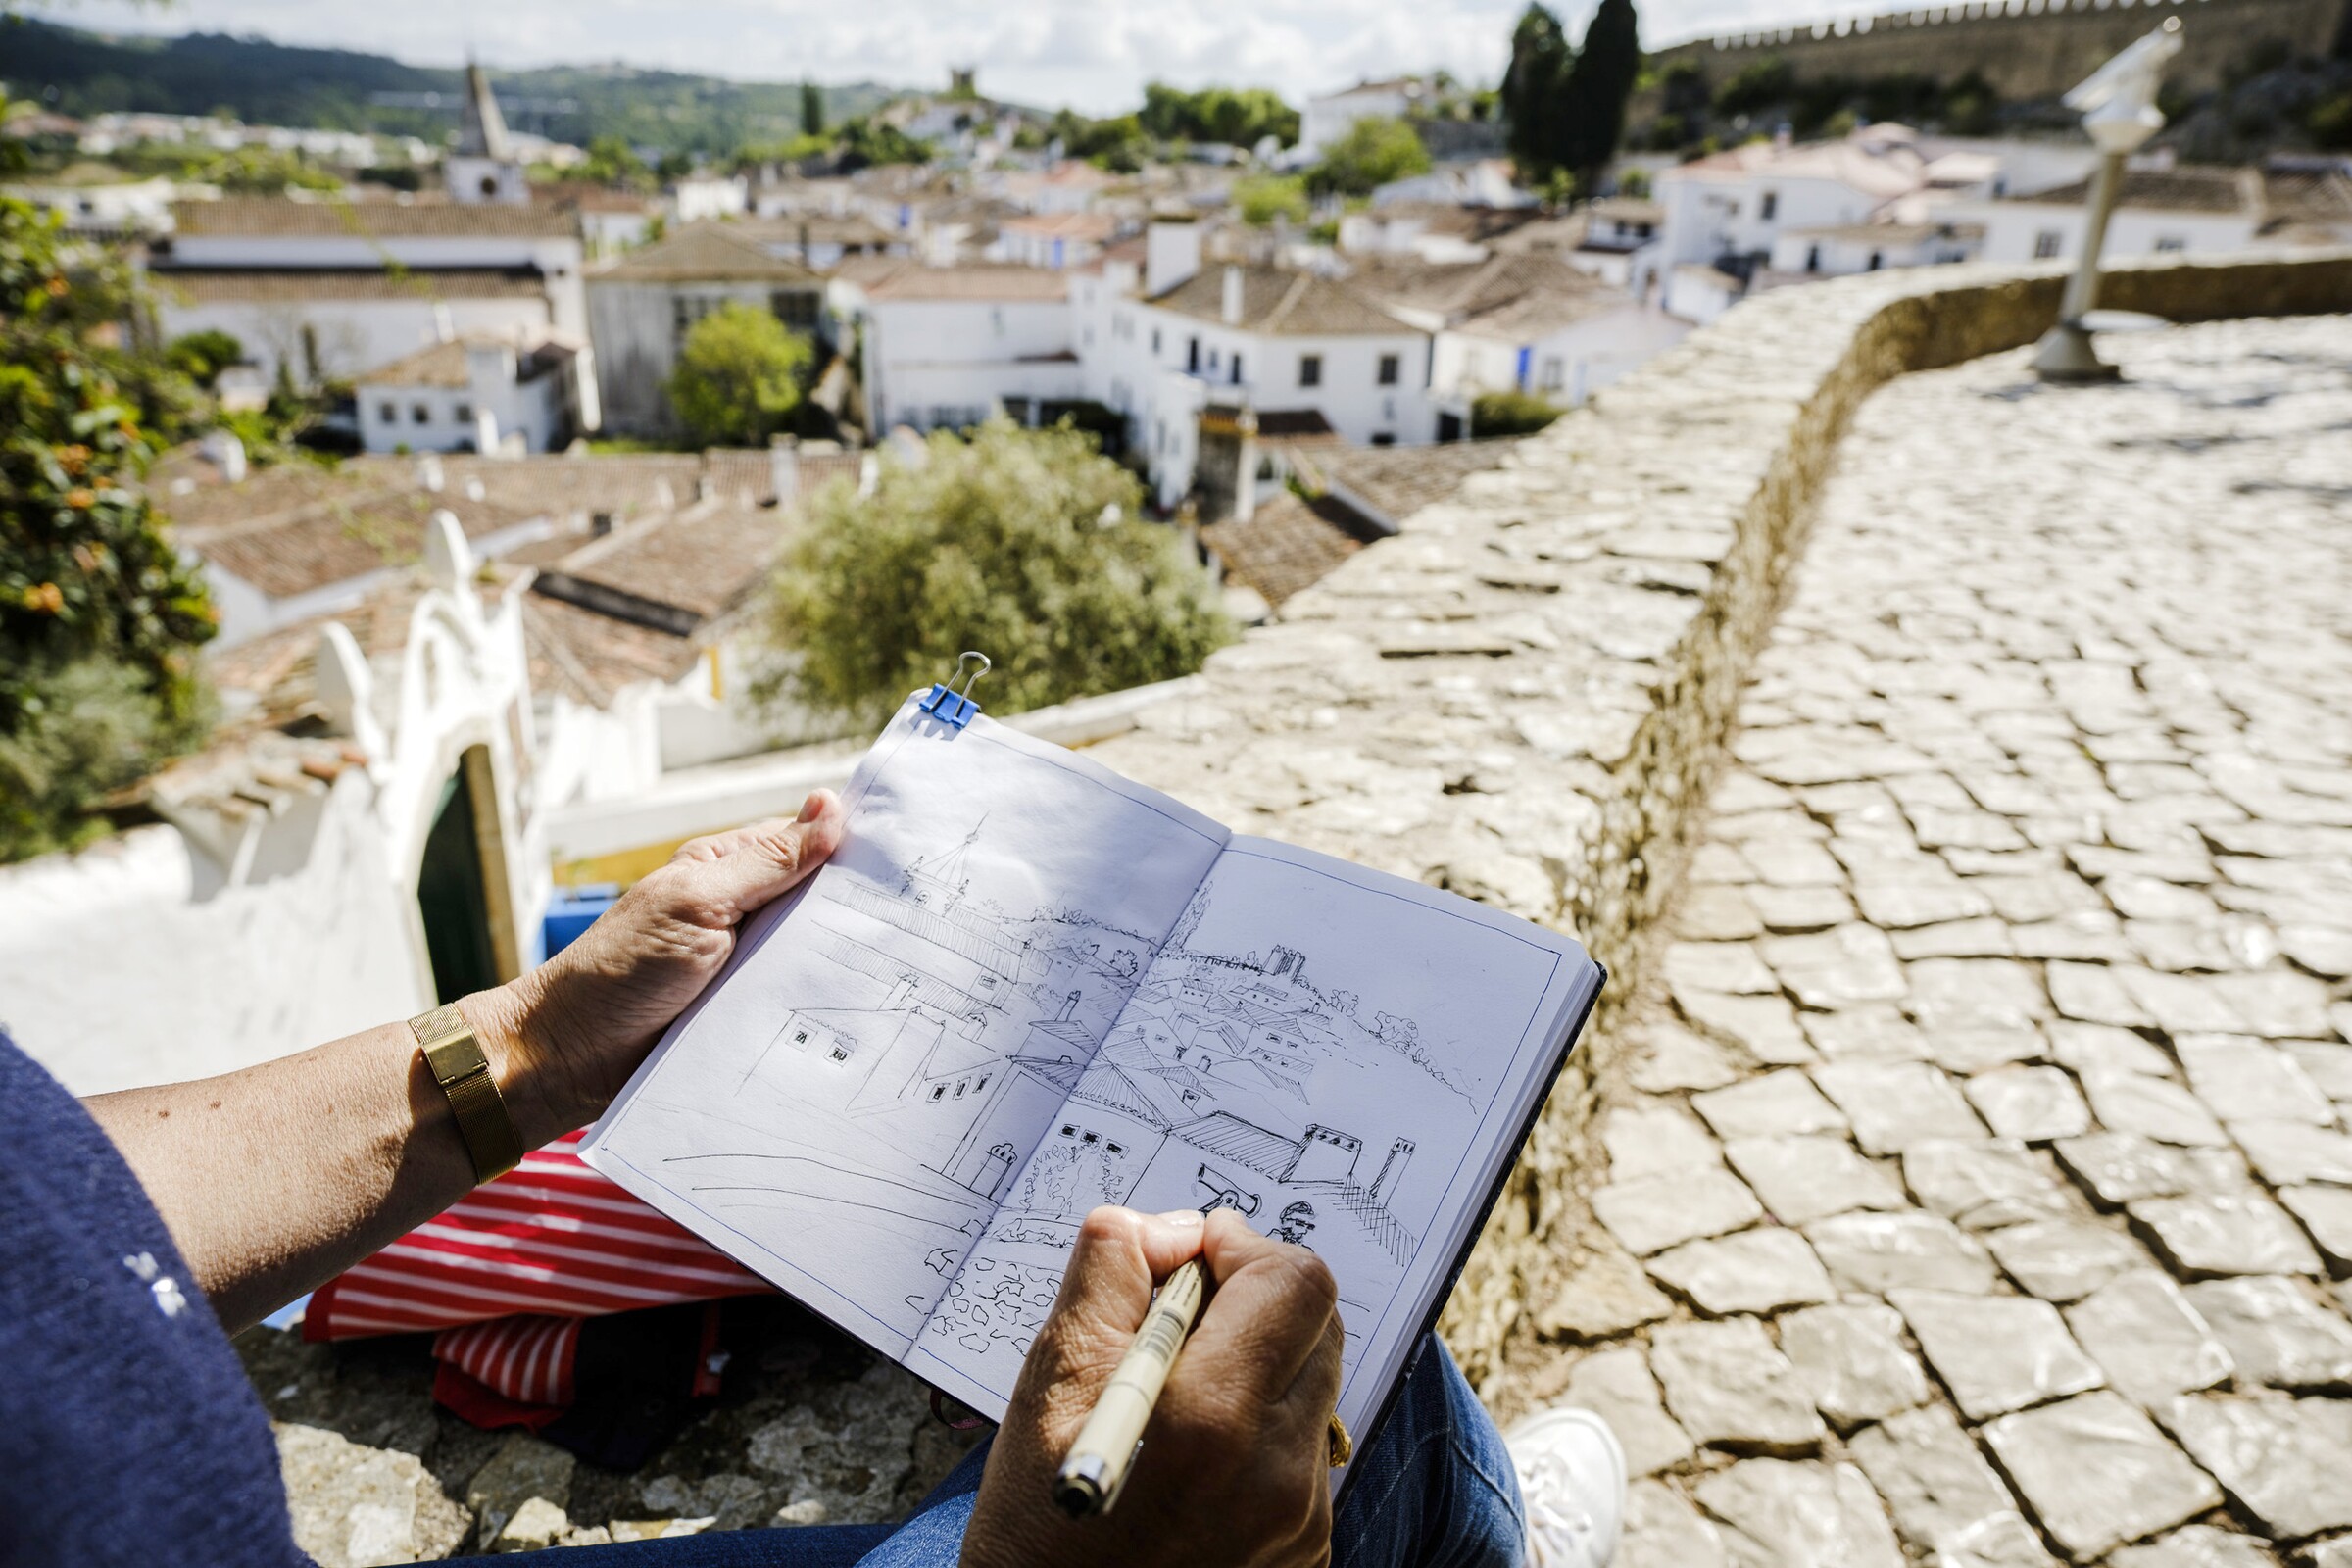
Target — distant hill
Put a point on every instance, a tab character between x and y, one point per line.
339	89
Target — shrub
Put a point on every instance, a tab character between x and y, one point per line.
1025	545
1510	414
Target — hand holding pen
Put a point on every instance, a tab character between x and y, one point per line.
1240	1431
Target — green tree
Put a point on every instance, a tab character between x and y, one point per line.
738	378
1243	116
1118	144
1375	151
1533	86
813	108
1598	84
201	357
866	143
1024	544
613	161
1263	198
99	617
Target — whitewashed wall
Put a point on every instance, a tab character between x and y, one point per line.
132	963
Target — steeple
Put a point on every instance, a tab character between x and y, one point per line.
483	167
484	131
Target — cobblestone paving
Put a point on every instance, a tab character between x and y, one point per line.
1977	1184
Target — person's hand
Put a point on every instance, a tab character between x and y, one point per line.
1234	1468
566	1037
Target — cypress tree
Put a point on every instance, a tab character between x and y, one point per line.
1533	92
1598	84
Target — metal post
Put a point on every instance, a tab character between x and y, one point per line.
2066	354
2118	102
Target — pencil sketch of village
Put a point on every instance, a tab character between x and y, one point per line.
1220	1085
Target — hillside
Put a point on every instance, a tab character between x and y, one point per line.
270	83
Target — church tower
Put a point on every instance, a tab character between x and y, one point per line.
485	169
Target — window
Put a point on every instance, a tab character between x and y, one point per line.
388	412
799	1036
2172	242
961	1084
980	1084
1768	207
1877	261
419	414
463	412
1390	364
1215	358
795	308
1553	376
2045	245
1155	340
939	1091
1812	257
840	1054
1191	356
1114	1147
1384	438
1311	369
1236	369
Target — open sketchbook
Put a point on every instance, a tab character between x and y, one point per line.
1025	986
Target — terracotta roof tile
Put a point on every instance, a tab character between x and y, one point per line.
1283	303
277	217
225	285
1392	483
1288	545
704	252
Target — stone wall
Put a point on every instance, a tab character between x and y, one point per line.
2035	53
1522	694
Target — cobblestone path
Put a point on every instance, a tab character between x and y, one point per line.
1977	1188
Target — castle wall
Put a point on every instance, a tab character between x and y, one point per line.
2025	48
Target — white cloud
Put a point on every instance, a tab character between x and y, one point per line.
1092	54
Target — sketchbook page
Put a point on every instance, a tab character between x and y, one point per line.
840	1110
1341	1054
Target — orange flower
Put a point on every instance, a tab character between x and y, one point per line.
48	598
80	499
74	458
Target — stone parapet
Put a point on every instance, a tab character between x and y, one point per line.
1522	694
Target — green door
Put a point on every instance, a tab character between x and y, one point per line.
452	900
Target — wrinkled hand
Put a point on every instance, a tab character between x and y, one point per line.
1234	1468
565	1037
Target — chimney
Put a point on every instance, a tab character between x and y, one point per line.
1069	1006
784	470
1172	254
1233	296
1392	1170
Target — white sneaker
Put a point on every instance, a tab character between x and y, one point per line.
1572	1478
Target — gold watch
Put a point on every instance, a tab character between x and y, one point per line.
455	1058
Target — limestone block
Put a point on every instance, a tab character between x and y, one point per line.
2097	1473
1730	1388
2148	1338
1853	1361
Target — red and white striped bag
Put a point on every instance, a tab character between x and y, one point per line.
508	1272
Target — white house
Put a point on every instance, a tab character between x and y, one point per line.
1466	182
1330	116
1180	344
1621	244
333	289
1840	249
100	199
949	346
1529	323
1727	211
1069	186
1434	232
2185	207
641	307
1053	240
698	198
480	394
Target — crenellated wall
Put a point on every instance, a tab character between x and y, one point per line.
1522	694
2026	48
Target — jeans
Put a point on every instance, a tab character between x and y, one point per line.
1435	1490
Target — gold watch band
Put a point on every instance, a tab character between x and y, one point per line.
455	1059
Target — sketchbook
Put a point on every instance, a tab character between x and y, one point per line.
1024	986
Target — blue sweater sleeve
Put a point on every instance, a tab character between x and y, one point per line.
129	1432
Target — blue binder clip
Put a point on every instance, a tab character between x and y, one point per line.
948	706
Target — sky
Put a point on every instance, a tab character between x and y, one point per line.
1093	55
